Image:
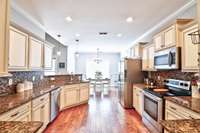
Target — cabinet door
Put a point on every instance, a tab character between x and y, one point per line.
170	36
145	58
18	49
37	114
48	52
84	94
35	54
172	116
71	97
140	101
189	50
158	40
151	57
4	36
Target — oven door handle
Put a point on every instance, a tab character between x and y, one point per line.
152	96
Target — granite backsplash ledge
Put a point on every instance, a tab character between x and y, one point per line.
159	76
40	80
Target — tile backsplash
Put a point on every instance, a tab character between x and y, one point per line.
159	76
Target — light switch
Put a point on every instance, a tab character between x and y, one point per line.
10	82
33	78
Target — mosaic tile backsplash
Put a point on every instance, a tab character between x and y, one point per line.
159	77
40	80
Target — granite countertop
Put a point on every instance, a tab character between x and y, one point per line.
19	127
181	126
187	102
140	85
10	102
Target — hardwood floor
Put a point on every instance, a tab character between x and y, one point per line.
103	114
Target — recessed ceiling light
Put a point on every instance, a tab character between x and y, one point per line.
129	20
69	19
77	35
119	35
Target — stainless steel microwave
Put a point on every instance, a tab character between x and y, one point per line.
167	59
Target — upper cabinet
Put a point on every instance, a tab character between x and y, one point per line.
170	37
148	58
136	51
18	50
4	37
189	50
48	55
35	54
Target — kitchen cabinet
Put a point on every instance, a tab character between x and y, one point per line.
174	112
41	110
18	50
189	50
137	99
170	37
21	113
84	92
73	95
35	54
148	58
4	36
48	55
136	51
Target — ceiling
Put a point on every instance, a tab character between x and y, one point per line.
93	16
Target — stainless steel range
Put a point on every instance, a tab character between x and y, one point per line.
153	110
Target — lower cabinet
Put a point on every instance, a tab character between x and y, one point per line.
137	99
41	110
22	113
72	95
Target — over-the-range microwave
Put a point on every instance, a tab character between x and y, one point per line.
167	59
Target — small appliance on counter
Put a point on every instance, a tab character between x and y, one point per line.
26	85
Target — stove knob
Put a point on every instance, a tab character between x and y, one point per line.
186	85
181	84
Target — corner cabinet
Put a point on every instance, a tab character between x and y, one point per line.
48	56
189	51
4	36
35	54
18	50
148	58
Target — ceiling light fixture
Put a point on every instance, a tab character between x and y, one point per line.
129	20
119	35
77	35
69	19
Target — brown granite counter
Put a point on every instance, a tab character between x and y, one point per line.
187	102
181	126
19	127
10	102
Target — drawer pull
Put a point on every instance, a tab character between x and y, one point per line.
42	106
172	108
14	114
191	117
42	99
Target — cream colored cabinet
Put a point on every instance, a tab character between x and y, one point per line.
4	36
84	92
158	41
137	99
148	58
22	113
35	53
136	51
41	110
174	112
48	55
189	51
170	36
18	50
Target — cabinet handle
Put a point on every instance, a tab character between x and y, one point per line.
42	106
172	108
42	99
14	114
191	117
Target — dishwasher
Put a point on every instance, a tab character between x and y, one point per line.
55	103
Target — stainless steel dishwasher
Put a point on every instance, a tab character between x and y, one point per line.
55	103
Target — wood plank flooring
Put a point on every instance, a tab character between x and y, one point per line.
103	114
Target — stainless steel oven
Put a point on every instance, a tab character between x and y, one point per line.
152	112
167	59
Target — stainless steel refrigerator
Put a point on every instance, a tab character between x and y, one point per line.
130	73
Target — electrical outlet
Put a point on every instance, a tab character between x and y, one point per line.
158	77
33	78
10	82
52	78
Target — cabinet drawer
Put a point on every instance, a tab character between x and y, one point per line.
75	86
84	85
15	113
189	114
41	100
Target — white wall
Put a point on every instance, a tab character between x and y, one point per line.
112	58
